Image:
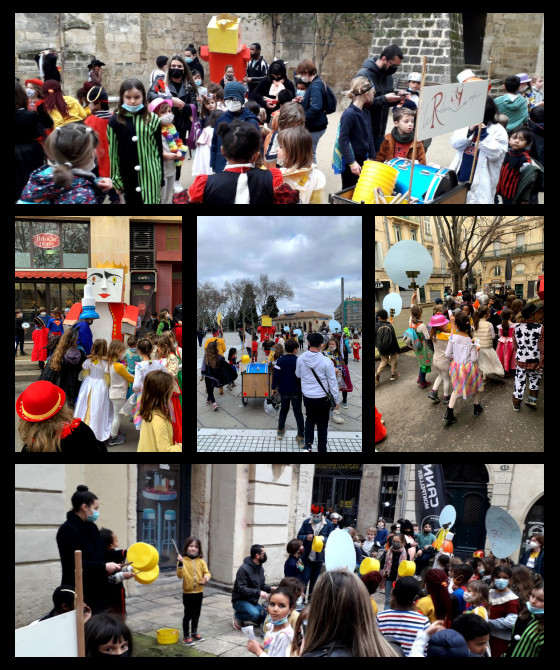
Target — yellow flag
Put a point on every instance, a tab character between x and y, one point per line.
219	319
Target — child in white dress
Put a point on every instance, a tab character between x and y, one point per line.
93	405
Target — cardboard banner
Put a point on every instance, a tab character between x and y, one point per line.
430	494
442	109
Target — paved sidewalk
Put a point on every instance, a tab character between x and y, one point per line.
233	421
216	439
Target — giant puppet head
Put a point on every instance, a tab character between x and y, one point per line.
108	284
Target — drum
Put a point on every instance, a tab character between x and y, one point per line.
428	183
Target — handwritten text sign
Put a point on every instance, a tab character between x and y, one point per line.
443	109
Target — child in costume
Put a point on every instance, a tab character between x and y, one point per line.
356	346
135	147
528	343
440	330
192	569
156	433
174	151
380	430
120	379
505	350
463	370
40	339
417	336
93	405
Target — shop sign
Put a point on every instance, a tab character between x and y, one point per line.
46	241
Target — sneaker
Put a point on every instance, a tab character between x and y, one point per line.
113	441
198	638
188	642
236	623
280	433
214	406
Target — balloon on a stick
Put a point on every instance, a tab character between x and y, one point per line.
408	264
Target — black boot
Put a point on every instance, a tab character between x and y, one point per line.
448	416
478	409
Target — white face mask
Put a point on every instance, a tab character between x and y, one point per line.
166	118
233	105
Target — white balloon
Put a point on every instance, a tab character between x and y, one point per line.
340	552
408	255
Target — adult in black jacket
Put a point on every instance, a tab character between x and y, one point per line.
379	71
250	585
80	532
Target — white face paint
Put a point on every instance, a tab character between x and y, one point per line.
108	284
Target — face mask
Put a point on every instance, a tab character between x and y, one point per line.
397	545
280	622
392	69
316	519
93	517
468	598
125	653
133	108
534	610
189	60
166	118
501	583
305	78
30	92
534	545
233	105
176	72
198	82
263	559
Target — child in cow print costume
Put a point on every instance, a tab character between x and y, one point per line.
528	343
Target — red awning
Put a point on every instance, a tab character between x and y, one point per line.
50	274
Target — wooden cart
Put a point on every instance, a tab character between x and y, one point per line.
255	385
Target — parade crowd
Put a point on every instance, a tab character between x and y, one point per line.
255	140
468	339
436	605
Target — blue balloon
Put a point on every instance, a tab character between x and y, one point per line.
411	256
393	301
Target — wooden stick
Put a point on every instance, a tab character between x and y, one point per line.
480	125
381	196
416	127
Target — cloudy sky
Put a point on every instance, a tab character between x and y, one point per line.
312	253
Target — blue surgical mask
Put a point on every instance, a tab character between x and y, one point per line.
132	108
534	610
501	583
93	517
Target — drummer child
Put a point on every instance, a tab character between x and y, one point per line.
192	569
399	143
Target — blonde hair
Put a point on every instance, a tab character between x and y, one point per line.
359	86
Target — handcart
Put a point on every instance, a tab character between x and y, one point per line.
255	381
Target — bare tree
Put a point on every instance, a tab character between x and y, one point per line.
464	239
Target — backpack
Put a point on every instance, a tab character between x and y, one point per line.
330	100
413	339
384	337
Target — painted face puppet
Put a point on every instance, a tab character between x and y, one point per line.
108	284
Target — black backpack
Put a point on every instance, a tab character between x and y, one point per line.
384	337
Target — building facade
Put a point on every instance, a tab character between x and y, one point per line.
52	255
471	489
308	321
229	507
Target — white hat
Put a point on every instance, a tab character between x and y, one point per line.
465	74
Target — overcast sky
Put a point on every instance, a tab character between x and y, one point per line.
312	253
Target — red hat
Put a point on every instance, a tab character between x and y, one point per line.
315	509
40	401
37	82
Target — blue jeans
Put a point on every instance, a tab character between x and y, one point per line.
246	611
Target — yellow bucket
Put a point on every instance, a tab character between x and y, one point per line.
167	636
142	556
374	175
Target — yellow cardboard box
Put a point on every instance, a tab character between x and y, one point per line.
224	34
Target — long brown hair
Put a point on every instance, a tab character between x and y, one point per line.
66	342
342	592
155	394
211	356
127	85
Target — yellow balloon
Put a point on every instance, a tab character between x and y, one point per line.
407	569
369	565
318	544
